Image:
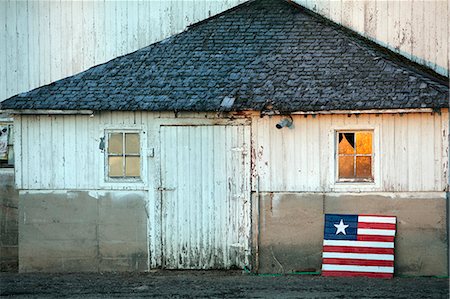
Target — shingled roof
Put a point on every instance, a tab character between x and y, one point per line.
264	51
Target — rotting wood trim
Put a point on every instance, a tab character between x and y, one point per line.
46	112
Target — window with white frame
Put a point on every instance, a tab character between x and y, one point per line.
355	156
6	145
123	155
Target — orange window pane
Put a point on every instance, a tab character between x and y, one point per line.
115	166
364	143
346	167
346	143
132	143
115	143
364	167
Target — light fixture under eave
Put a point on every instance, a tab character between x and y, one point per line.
285	122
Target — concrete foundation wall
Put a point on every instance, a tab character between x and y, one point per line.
9	200
291	229
77	231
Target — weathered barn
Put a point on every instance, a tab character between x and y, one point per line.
223	146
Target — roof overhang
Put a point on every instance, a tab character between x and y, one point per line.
46	112
371	111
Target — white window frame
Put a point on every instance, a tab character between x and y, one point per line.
124	182
348	185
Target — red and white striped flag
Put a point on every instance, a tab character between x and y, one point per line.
359	245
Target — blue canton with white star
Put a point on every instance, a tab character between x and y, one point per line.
333	222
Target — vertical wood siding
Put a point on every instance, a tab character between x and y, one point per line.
62	152
413	151
206	202
43	41
417	29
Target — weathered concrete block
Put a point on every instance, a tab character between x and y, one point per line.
77	231
291	226
9	201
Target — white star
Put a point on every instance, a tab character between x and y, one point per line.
341	227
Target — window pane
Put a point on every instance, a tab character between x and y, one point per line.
363	167
132	143
115	145
115	166
132	166
346	167
364	142
346	143
10	155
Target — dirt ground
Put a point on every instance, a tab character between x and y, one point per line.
214	284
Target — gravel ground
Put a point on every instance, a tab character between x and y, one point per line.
214	284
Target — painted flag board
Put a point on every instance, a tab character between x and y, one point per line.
358	245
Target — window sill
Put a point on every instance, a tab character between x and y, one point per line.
355	186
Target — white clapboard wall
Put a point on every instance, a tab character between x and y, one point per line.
411	150
43	41
417	29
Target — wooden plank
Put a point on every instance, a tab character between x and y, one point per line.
405	27
3	49
426	154
347	13
88	34
66	39
335	11
155	140
22	46
93	153
430	34
100	32
57	152
417	30
80	152
45	152
382	21
370	18
122	27
315	154
326	149
444	171
71	162
394	30
18	156
358	16
32	153
133	26
55	40
442	36
401	153
415	137
77	37
11	49
387	154
110	46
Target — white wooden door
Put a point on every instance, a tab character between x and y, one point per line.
205	185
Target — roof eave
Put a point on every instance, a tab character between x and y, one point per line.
46	112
